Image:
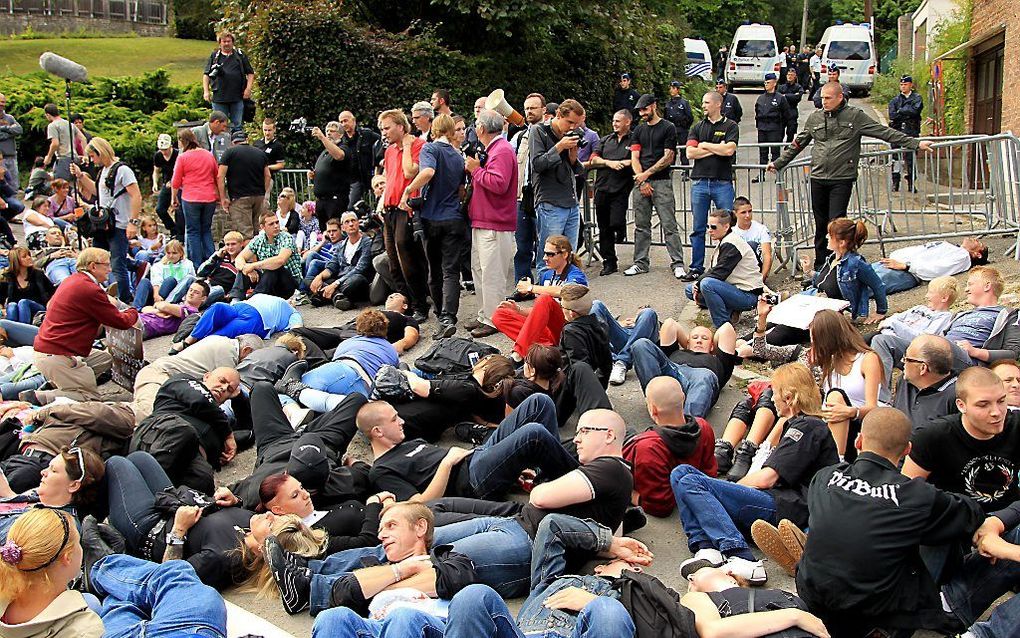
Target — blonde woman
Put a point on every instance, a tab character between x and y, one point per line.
717	515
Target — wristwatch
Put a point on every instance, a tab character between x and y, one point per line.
135	221
173	539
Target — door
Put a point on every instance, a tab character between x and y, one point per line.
988	91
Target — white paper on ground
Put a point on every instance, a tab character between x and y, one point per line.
241	622
799	310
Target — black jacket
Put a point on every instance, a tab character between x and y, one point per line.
626	100
771	112
867	524
454	572
905	113
731	108
587	339
363	163
189	399
793	94
39	289
218	271
678	111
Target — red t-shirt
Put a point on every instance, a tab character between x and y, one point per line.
392	167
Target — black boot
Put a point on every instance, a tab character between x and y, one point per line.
723	456
294	581
94	547
742	461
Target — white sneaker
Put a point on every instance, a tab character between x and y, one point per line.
751	570
618	374
635	270
679	272
702	558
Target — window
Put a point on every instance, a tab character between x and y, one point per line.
755	49
849	50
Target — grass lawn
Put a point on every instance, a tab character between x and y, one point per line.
184	59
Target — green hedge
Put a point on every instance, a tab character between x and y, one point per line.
129	112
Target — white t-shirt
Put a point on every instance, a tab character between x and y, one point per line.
125	177
349	249
756	236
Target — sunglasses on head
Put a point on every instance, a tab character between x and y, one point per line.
76	451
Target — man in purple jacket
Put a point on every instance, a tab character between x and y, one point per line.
493	214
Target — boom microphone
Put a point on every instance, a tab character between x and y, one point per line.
63	68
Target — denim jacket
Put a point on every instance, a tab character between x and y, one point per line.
854	275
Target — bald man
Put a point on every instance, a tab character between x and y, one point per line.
869	515
674	439
188	433
927	391
361	142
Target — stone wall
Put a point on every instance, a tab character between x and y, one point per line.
11	24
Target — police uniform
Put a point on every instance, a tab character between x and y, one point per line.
678	111
771	114
905	116
626	99
793	94
731	108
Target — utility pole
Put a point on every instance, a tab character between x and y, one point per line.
867	11
803	27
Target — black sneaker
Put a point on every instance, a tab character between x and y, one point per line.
521	296
295	582
742	461
421	316
473	433
290	383
723	456
444	330
633	519
608	269
341	302
691	275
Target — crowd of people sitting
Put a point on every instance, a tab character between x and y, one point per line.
893	497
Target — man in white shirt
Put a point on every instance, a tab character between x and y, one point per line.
908	267
756	234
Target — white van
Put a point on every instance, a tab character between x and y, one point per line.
851	48
753	53
699	59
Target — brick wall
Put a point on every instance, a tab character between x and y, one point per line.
987	16
11	24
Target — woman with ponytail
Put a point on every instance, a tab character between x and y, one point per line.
848	276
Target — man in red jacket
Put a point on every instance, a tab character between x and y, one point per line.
73	318
675	439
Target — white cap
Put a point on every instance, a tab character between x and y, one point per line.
164	141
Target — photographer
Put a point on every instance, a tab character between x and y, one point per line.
440	178
118	193
493	214
330	178
554	166
227	80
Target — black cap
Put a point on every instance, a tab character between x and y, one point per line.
770	76
310	466
906	78
550	108
720	80
625	76
238	136
676	83
645	100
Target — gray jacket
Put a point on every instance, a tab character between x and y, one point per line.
837	136
552	175
216	144
9	131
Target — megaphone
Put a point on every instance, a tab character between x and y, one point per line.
496	102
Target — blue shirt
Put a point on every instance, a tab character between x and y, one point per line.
974	326
371	353
277	315
573	275
442	195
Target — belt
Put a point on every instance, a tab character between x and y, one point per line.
150	540
37	453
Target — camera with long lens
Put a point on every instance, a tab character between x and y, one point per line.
367	219
475	150
579	136
300	125
418	226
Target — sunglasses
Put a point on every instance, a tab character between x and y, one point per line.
713	226
551	254
912	360
76	451
585	429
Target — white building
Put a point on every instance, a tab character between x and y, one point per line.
926	21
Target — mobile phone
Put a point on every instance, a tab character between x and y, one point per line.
473	358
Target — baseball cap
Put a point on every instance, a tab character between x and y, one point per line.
676	83
238	136
720	80
164	141
309	465
625	76
645	100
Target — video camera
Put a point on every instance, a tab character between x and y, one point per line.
300	125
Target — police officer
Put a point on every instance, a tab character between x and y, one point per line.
771	114
731	108
905	116
832	76
678	111
793	92
626	97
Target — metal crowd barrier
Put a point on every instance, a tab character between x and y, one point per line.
296	178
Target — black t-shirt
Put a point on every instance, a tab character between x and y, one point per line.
398	322
246	167
229	83
332	176
212	544
986	471
805	447
165	166
450	401
611	481
714	166
719	362
408	468
274	150
611	147
652	143
737	601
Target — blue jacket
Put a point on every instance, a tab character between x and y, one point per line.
854	275
361	264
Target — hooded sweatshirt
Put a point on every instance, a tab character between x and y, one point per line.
67	615
655	452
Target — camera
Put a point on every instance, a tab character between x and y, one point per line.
475	150
367	219
579	136
772	298
214	71
418	227
300	125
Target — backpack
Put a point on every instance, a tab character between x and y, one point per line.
452	358
655	608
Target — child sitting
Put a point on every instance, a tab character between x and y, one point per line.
309	234
147	247
931	317
169	278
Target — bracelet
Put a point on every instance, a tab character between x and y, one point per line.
173	539
857	415
396	572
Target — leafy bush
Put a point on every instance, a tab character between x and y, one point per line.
130	112
194	19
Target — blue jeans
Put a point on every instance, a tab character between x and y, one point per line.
143	292
233	110
335	377
700	384
646	326
198	230
479	612
9	389
156	600
132	485
705	192
229	320
556	220
314	263
977	584
714	512
527	437
894	280
526	235
19	334
60	269
116	242
499	548
722	298
23	310
341	622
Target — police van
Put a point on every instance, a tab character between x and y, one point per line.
851	48
753	53
699	59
